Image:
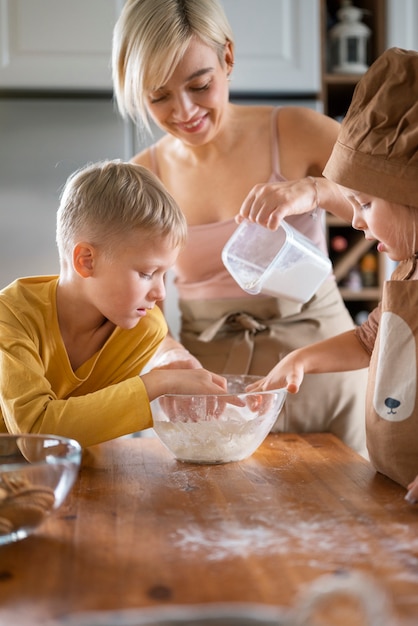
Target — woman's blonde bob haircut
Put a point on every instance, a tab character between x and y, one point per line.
103	203
150	39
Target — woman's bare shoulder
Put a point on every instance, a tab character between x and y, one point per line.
306	140
251	111
147	156
143	158
301	119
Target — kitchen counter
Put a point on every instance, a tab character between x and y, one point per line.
140	529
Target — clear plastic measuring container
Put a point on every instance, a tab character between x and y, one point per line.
279	263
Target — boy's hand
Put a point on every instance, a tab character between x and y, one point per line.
190	382
183	381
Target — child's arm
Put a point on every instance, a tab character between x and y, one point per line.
172	355
412	495
338	354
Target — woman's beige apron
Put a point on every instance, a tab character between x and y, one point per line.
250	335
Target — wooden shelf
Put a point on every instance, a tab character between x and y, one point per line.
337	91
357	292
341	79
366	294
333	220
351	258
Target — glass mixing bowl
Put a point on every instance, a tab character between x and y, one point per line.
36	475
217	428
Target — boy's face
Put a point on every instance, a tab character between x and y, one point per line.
388	223
124	287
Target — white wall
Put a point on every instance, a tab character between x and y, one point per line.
402	24
43	140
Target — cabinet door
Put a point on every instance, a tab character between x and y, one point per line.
402	27
56	44
277	44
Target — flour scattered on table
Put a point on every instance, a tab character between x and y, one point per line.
231	538
317	537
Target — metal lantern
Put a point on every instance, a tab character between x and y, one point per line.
349	41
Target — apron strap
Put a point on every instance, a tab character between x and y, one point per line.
241	354
240	357
236	321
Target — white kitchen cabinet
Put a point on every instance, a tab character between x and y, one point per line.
56	44
402	25
277	45
66	44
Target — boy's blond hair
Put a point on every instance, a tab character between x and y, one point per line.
151	37
104	202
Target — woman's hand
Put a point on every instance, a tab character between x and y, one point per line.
268	203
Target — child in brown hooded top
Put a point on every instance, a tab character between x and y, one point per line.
375	164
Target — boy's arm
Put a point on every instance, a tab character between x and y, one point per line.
338	354
171	354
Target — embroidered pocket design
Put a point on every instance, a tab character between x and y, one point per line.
396	373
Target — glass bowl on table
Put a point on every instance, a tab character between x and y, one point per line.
346	596
218	428
36	474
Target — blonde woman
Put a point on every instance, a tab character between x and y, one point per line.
172	63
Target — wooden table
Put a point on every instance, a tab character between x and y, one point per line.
141	529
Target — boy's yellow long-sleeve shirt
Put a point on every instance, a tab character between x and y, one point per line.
39	391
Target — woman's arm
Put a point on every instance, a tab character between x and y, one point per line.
306	139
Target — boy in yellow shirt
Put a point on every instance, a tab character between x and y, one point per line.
73	346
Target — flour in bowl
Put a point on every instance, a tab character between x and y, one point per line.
215	441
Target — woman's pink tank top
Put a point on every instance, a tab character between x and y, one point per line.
199	272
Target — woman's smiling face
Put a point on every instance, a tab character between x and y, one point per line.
191	105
